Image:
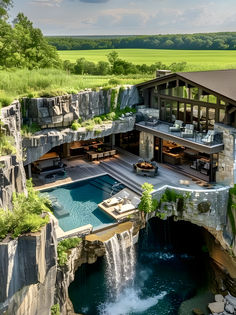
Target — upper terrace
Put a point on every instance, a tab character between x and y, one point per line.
162	129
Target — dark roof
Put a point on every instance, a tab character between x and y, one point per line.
222	82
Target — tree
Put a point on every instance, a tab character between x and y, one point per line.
147	204
4	6
112	58
25	46
103	68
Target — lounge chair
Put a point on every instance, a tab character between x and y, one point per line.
112	202
128	206
177	126
188	131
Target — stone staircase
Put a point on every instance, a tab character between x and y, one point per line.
120	167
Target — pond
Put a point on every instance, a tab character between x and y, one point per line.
170	267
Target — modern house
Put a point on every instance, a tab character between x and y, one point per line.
195	131
186	121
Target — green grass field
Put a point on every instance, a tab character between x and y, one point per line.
196	59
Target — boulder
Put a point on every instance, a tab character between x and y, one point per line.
231	299
216	307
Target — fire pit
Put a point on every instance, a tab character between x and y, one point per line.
146	168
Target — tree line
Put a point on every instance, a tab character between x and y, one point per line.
198	41
117	66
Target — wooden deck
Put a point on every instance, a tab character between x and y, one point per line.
111	210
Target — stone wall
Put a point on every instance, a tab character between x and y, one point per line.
61	111
225	173
12	174
43	141
146	146
28	273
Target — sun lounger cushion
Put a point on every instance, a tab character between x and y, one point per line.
125	208
111	202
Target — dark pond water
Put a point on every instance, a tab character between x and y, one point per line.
170	268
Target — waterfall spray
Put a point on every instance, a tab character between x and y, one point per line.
120	260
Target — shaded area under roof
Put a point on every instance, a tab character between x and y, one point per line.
222	82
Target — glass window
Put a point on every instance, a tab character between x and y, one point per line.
202	122
188	113
174	111
222	116
181	111
195	116
211	118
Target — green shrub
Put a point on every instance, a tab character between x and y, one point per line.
111	116
5	101
26	215
97	120
114	82
75	125
64	246
89	128
97	131
27	130
7	143
55	309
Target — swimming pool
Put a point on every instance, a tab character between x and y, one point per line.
76	204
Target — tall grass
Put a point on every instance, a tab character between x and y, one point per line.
51	82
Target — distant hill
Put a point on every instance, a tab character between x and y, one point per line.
198	41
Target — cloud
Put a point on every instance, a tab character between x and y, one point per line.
94	1
47	3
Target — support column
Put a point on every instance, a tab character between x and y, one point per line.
211	169
160	150
113	140
146	146
66	150
29	171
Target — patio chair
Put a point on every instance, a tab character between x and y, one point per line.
212	136
154	164
188	131
128	206
177	126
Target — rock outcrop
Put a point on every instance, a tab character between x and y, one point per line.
12	174
28	273
86	252
60	111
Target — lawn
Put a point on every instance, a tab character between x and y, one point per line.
196	59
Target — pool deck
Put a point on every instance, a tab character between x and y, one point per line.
119	167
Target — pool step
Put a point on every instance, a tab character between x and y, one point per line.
110	169
106	186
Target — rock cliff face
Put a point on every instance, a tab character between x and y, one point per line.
60	111
12	174
86	252
28	273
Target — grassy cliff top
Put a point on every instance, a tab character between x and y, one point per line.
51	82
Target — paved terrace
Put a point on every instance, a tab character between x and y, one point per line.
162	130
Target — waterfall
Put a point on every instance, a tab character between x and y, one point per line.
120	262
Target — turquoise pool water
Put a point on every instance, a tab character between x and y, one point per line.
81	199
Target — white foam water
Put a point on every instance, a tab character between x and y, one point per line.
120	262
129	301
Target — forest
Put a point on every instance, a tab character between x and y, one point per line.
198	41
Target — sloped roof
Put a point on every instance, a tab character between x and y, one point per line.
222	82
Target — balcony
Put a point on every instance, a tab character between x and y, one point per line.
196	142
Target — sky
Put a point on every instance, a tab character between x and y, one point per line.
128	17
